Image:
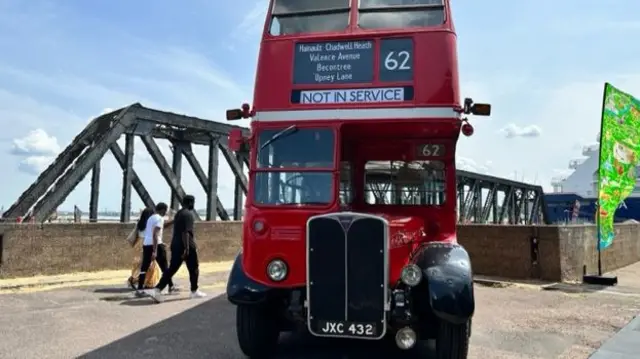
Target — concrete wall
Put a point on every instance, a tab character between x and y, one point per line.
506	251
578	245
29	249
502	251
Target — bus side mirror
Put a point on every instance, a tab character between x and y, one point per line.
234	114
236	140
478	109
239	113
481	109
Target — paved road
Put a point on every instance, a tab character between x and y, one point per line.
514	322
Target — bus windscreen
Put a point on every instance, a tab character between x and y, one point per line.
290	17
398	14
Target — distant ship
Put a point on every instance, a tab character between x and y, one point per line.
574	196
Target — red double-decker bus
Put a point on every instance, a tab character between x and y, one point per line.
350	219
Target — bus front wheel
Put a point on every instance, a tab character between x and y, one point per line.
257	331
453	340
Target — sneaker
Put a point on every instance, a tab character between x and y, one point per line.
197	294
132	284
140	294
174	289
154	294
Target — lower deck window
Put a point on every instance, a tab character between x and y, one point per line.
419	183
293	188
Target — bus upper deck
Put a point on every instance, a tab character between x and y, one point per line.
346	54
294	17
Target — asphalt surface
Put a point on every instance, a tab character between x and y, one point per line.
106	322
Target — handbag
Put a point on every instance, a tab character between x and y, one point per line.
133	236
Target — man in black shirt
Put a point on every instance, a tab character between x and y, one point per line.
183	249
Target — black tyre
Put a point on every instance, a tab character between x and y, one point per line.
257	331
453	340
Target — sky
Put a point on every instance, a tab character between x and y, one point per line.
541	64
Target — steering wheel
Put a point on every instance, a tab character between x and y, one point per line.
304	187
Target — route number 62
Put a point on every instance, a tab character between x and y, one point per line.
431	150
398	61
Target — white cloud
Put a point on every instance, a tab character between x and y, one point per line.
512	130
37	149
34	165
467	164
36	143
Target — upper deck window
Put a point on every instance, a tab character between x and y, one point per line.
290	17
398	14
293	147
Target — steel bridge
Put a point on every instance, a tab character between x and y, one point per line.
86	150
481	198
494	200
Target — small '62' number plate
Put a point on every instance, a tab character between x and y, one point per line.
348	329
431	150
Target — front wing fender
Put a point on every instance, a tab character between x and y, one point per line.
243	290
449	280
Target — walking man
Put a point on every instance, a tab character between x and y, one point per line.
183	249
153	249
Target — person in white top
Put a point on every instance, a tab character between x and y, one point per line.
153	249
183	249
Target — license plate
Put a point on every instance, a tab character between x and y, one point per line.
347	329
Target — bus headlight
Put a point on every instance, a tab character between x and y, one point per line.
411	275
277	270
258	226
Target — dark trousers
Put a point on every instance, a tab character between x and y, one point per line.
193	266
161	259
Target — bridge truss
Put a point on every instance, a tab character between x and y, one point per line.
84	153
493	200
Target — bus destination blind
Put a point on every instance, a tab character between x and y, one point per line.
352	62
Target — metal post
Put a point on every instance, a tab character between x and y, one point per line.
125	207
95	193
212	177
176	167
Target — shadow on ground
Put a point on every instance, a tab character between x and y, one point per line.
588	288
112	290
208	331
